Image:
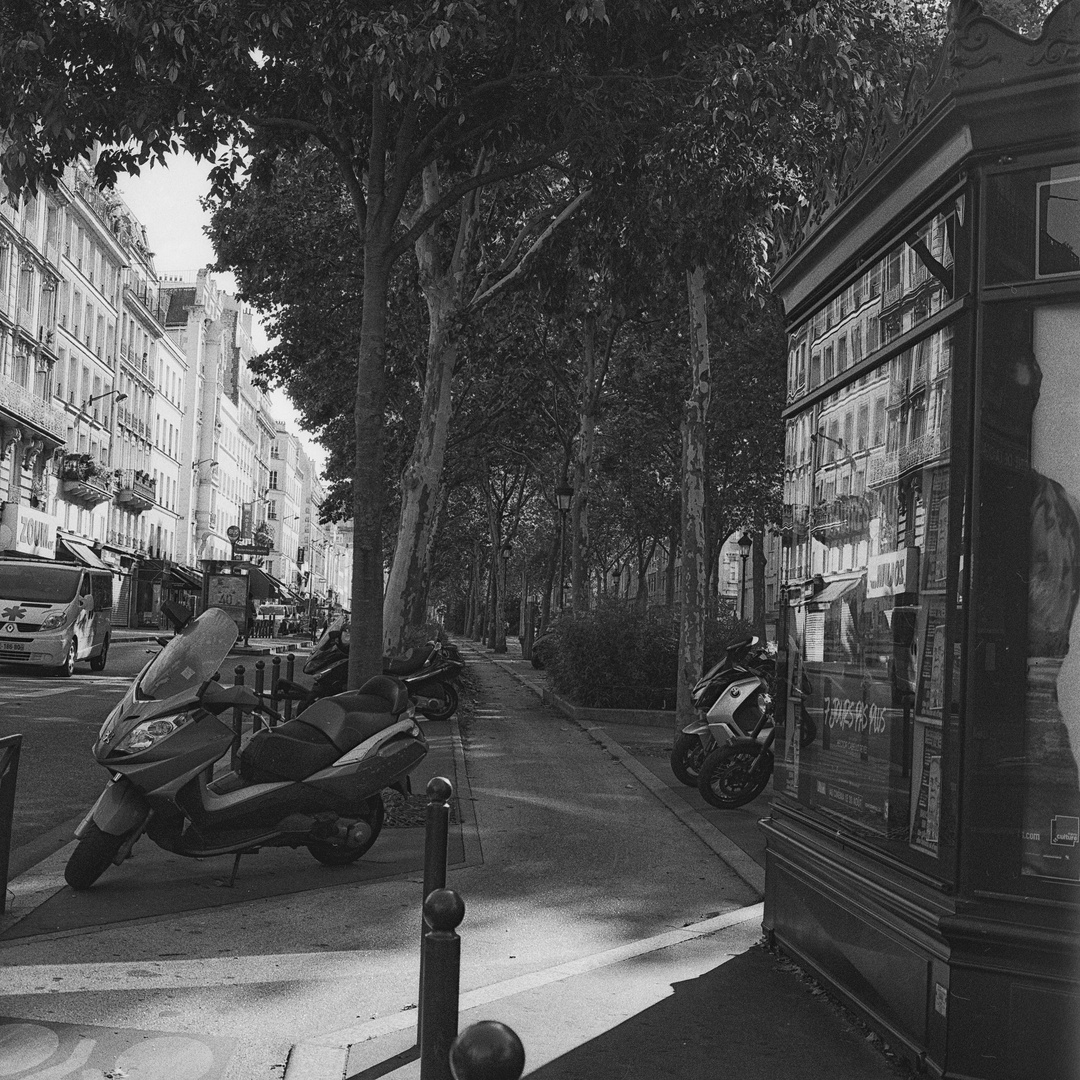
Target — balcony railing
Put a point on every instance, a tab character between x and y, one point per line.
925	448
882	468
138	490
23	405
83	480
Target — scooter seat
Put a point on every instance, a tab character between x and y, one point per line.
293	751
412	661
346	719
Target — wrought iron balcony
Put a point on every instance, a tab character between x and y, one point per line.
138	490
23	405
83	480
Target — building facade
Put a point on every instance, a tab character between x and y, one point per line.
132	434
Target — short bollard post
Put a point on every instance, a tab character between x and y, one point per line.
260	679
443	912
487	1051
290	662
436	831
275	678
237	721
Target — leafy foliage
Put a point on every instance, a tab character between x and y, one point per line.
619	657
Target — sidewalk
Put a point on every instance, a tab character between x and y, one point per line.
705	1001
609	921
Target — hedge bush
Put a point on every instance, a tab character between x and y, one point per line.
616	656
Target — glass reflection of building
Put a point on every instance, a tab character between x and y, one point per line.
923	841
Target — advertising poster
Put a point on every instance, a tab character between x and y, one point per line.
1051	825
926	788
230	593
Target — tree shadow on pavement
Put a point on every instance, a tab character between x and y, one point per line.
751	1017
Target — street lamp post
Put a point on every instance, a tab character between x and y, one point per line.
745	544
564	496
500	615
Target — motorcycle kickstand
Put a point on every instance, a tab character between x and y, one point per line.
231	883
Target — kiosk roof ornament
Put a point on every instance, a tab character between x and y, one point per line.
978	54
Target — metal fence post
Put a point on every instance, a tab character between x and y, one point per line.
275	678
290	662
443	912
436	831
237	721
260	678
487	1051
10	747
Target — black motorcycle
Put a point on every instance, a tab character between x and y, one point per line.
427	672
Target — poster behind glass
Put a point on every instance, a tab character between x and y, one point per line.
869	663
1051	804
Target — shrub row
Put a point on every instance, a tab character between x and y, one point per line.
616	656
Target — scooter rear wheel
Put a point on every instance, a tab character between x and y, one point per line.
687	756
93	855
727	778
341	854
446	694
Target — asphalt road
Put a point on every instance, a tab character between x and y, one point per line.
58	719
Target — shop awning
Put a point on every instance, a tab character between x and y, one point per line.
82	554
265	586
834	591
186	578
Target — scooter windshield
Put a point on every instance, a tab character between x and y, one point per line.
190	658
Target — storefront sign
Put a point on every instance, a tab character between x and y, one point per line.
28	531
893	573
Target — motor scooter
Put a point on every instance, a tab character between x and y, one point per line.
426	672
726	752
315	781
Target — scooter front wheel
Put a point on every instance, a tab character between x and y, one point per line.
728	777
341	853
93	855
687	755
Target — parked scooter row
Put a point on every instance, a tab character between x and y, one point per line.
313	782
428	674
726	753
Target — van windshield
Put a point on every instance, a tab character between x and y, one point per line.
44	584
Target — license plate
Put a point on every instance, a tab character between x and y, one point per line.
12	646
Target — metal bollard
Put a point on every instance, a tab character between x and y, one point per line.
290	661
260	678
441	950
275	678
10	747
237	721
487	1051
436	831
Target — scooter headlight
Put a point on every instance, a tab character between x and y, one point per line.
144	735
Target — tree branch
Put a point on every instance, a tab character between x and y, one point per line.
538	243
423	221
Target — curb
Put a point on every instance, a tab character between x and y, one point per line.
741	864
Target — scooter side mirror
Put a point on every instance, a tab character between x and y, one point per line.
178	615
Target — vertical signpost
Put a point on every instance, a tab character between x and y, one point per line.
10	746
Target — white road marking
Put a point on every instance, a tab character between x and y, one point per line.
143	975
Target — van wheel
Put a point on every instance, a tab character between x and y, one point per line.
97	663
67	668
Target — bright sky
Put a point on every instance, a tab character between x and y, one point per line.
166	201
